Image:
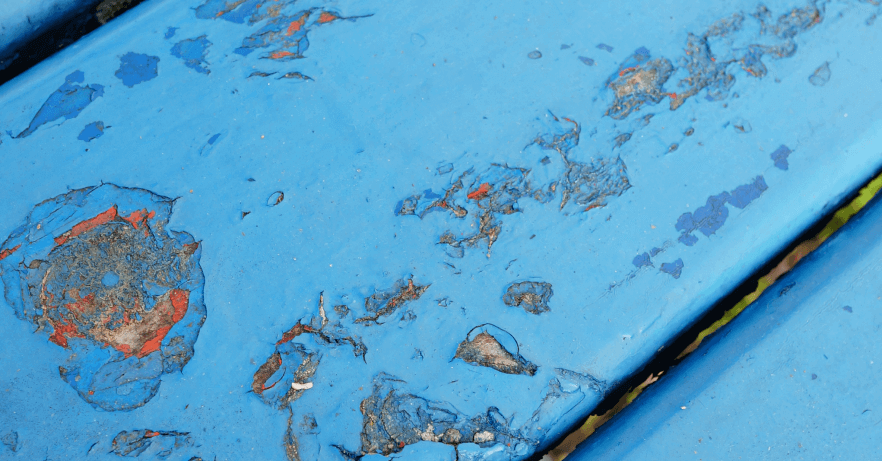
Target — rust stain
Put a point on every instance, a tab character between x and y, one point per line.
9	251
480	193
87	225
326	17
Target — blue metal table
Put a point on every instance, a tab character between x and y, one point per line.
245	230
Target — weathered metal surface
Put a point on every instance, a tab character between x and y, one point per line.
795	376
430	230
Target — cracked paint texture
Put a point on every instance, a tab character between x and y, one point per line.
99	274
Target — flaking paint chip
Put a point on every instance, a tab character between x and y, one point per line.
301	387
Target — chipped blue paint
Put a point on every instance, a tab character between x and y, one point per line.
294	208
170	32
794	376
92	131
673	268
642	260
67	101
135	68
779	156
710	218
286	34
821	75
193	51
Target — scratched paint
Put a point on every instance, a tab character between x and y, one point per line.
66	102
109	285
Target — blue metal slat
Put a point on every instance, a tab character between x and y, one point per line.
409	229
795	376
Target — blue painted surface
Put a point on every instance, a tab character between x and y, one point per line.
135	68
67	101
23	20
795	376
370	200
92	131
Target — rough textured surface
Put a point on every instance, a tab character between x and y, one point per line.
485	350
290	186
98	273
158	444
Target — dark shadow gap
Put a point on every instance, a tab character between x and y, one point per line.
684	343
62	35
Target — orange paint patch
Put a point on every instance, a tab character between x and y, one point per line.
281	54
591	207
179	299
294	332
62	332
87	225
152	345
8	251
179	302
672	95
138	217
150	434
624	71
191	248
482	191
297	25
83	304
326	17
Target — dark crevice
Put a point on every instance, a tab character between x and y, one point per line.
59	36
675	350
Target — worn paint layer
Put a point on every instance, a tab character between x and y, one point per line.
66	102
98	272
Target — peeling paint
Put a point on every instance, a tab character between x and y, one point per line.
285	35
193	51
135	68
92	131
67	101
533	297
394	419
485	350
161	444
780	157
711	217
383	303
498	190
119	291
638	81
673	268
